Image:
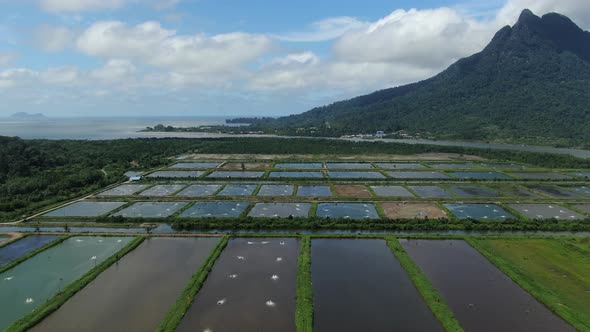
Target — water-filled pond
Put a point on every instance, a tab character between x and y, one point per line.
349	165
347	210
481	297
215	210
136	293
151	209
235	174
581	174
517	192
283	210
314	191
478	211
358	285
391	191
480	175
276	190
85	209
430	191
251	288
417	175
584	190
540	175
400	165
452	165
196	165
583	207
162	190
355	175
299	165
124	190
31	283
297	175
199	190
176	174
19	248
546	211
237	190
555	191
473	191
503	165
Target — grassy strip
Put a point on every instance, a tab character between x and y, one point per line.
185	300
32	253
429	294
60	298
304	309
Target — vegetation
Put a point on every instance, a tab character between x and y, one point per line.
32	253
429	294
185	300
304	310
60	298
556	272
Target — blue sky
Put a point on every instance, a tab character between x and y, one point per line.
244	58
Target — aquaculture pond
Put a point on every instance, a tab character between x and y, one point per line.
400	165
85	209
314	191
176	174
540	175
347	210
124	190
545	211
235	174
503	165
297	175
31	283
162	190
517	192
581	174
430	191
21	247
583	207
417	175
237	190
199	190
283	210
355	175
391	191
197	165
151	209
299	165
555	191
473	191
452	165
251	288
406	210
215	210
480	175
136	293
276	190
358	285
481	297
349	165
478	211
584	190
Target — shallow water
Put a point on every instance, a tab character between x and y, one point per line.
481	297
478	211
283	210
21	247
215	210
347	210
151	209
85	209
430	191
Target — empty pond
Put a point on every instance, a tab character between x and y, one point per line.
314	191
299	165
215	210
418	175
481	297
237	190
85	209
391	191
197	165
555	191
31	283
276	190
478	211
405	210
176	174
235	174
546	211
124	190
297	175
430	191
162	190
358	285
540	175
473	191
151	209
347	210
21	247
480	175
356	175
199	190
349	165
251	288
136	293
282	210
400	165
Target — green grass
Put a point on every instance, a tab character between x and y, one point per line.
429	294
32	253
185	300
60	298
555	271
304	309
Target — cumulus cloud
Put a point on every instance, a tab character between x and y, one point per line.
115	70
53	38
82	5
327	29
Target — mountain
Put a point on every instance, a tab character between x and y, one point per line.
27	116
531	83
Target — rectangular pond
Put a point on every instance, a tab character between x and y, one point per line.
480	175
451	165
215	210
151	209
349	165
276	190
296	175
282	210
359	285
237	190
473	191
581	174
196	165
162	190
417	175
516	191
85	209
314	191
405	210
481	296
400	165
583	207
347	210
554	191
21	247
584	190
391	191
355	175
546	211
176	174
199	190
430	191
137	293
540	175
503	165
235	174
478	211
28	285
251	288
299	165
124	190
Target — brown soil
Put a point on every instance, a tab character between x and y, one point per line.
351	190
413	210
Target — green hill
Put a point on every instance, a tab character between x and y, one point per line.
530	84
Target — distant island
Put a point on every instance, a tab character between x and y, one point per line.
28	116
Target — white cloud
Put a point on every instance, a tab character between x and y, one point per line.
60	76
53	38
6	59
82	5
577	10
115	71
323	30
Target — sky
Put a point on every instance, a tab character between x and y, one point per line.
87	58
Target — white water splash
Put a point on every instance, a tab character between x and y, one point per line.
93	258
222	301
8	278
241	258
282	243
279	259
29	300
270	303
119	241
264	242
275	277
78	240
233	276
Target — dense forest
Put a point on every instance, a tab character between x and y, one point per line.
530	85
38	173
